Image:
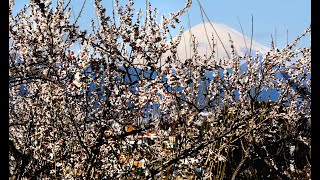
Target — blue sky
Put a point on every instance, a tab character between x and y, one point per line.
269	16
282	15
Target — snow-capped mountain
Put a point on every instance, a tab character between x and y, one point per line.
205	32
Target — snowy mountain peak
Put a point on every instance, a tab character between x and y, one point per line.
205	32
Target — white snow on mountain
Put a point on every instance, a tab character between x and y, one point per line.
205	31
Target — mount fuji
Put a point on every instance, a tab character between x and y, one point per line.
221	35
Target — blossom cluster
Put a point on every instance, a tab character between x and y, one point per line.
125	106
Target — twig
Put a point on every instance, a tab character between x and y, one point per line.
244	39
251	36
241	164
84	2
